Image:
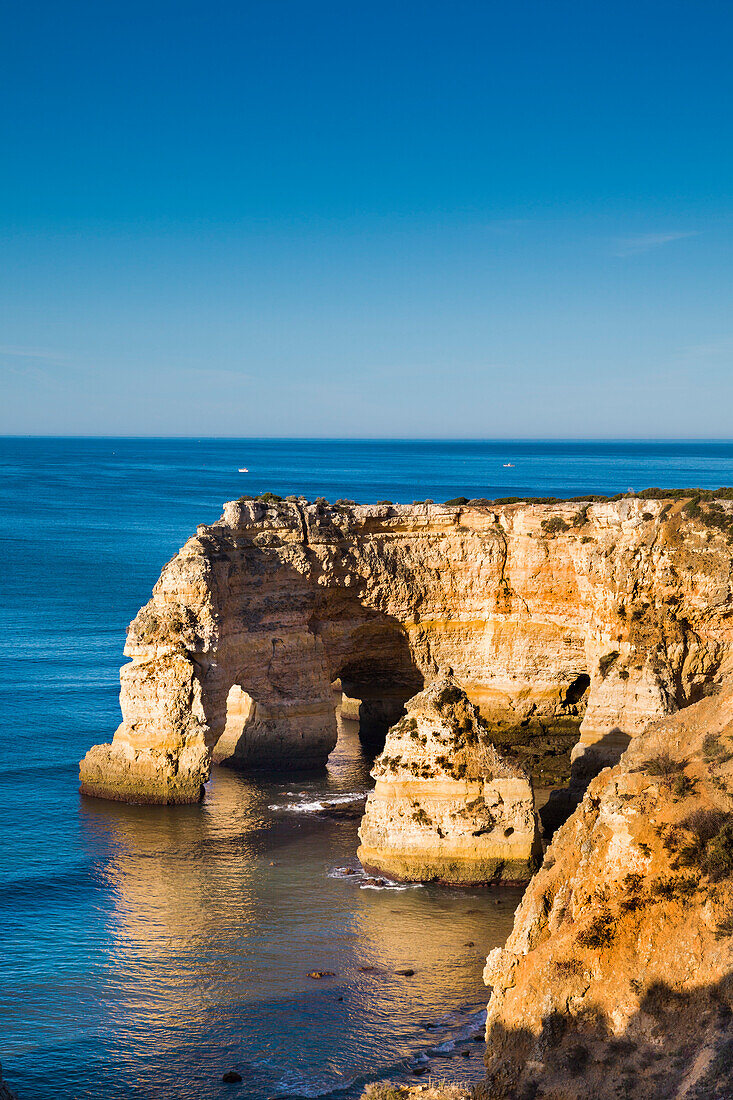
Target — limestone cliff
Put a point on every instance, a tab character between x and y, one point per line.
446	805
617	979
614	612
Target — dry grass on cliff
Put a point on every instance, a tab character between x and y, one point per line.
431	1090
618	981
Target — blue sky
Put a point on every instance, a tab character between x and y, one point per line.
381	219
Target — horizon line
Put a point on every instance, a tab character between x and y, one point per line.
374	439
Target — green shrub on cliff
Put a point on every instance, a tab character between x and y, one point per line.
654	493
555	525
713	751
449	696
382	1090
607	662
664	766
167	624
725	492
599	932
711	845
420	816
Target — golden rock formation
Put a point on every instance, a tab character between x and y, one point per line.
447	806
614	612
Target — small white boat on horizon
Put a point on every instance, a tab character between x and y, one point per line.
508	465
243	470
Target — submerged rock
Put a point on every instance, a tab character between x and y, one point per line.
231	1077
446	805
343	811
5	1093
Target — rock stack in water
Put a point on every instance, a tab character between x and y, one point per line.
447	807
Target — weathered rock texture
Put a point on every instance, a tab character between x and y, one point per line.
615	611
446	805
617	978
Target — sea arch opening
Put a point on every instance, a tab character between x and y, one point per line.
240	713
377	673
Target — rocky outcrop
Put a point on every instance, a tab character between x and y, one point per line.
617	979
614	613
5	1093
446	806
386	1090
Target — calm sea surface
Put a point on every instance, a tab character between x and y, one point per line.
146	951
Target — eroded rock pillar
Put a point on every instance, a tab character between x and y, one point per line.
159	752
447	806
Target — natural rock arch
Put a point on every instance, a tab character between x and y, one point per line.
281	600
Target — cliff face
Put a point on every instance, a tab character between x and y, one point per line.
616	610
617	979
446	805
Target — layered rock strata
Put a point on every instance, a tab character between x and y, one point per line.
446	805
616	613
617	979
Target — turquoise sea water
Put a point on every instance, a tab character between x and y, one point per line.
147	950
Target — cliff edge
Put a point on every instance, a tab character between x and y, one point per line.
617	979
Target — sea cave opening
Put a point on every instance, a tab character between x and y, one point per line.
373	664
241	710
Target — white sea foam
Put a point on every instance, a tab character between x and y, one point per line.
316	804
368	881
444	1048
387	884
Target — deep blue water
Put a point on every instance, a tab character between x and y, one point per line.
147	950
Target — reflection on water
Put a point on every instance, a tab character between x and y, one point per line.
144	951
210	919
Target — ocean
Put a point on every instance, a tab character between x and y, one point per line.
146	951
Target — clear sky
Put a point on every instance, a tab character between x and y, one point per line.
333	218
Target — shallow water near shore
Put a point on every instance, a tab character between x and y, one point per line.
157	949
147	950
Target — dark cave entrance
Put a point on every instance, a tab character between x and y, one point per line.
377	677
574	692
542	741
381	700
